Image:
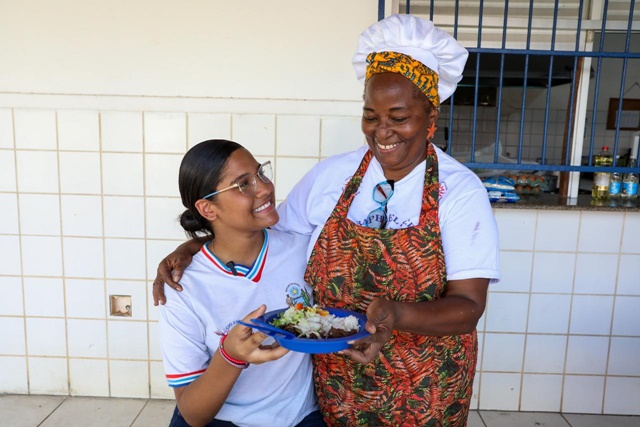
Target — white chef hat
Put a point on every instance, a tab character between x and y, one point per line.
420	40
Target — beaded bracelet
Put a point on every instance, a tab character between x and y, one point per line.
240	364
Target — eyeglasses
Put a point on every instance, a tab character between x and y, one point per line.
382	192
249	184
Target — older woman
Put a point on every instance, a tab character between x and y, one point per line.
403	232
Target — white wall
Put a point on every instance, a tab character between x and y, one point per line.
283	49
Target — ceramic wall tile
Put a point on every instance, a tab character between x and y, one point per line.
7	170
499	391
81	215
32	265
506	312
122	174
78	130
124	258
35	129
80	173
13	336
83	257
11	301
37	171
340	134
88	377
630	241
161	174
549	313
298	136
587	355
46	337
138	293
121	131
9	214
621	396
591	315
128	340
623	356
85	298
626	316
600	232
43	297
155	352
553	272
162	218
129	379
202	127
516	228
32	220
545	353
515	272
13	371
582	394
165	132
596	273
288	172
48	375
158	380
10	255
156	251
123	216
628	273
87	338
6	128
256	133
541	393
557	231
503	352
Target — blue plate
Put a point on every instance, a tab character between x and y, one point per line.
308	345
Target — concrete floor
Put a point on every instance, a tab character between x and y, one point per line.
65	411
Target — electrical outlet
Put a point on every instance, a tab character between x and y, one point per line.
120	305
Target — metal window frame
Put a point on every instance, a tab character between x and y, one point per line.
583	53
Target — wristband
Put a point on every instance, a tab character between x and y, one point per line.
240	364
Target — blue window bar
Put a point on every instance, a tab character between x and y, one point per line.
542	86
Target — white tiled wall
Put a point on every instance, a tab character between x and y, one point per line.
89	200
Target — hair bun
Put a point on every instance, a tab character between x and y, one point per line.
191	223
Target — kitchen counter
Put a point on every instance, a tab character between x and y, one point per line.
582	202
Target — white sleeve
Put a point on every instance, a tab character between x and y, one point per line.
294	211
470	237
182	340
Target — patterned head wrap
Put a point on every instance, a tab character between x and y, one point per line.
414	48
393	62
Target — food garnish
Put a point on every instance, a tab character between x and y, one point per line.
315	322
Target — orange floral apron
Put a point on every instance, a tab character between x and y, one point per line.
415	380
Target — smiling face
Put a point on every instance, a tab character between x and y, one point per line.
231	211
395	121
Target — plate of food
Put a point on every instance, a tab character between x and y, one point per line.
312	329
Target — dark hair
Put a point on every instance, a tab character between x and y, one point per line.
200	173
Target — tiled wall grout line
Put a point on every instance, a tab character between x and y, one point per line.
526	324
613	312
62	266
24	299
105	290
146	233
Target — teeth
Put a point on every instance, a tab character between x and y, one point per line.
387	147
263	207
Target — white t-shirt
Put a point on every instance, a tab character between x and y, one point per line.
468	227
278	393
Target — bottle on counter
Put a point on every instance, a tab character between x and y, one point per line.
601	180
615	183
630	182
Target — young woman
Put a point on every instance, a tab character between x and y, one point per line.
215	366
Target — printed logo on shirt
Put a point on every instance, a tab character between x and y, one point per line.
296	294
442	189
391	219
